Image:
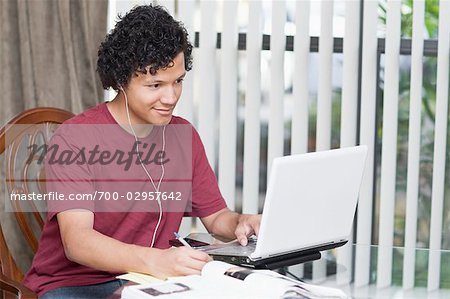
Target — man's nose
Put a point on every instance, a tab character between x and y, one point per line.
170	96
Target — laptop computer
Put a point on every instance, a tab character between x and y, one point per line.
309	207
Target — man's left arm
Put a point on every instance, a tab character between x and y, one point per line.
232	225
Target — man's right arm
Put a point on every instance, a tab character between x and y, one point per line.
88	247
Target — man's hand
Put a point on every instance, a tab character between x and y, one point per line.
86	246
229	224
247	226
177	261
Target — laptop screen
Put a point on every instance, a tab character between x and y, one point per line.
310	200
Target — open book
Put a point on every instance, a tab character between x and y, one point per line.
222	280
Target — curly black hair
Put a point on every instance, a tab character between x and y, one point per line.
147	36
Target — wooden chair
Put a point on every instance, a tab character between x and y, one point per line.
24	175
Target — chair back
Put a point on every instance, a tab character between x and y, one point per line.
24	174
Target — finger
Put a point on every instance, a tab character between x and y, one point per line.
242	232
242	238
204	257
256	227
199	255
186	260
196	254
194	264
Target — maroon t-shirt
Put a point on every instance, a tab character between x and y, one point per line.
51	269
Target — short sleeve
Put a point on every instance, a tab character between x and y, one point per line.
68	176
206	196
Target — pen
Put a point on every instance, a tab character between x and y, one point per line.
183	241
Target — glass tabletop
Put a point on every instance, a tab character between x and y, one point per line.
337	268
329	271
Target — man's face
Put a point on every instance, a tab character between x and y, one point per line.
152	98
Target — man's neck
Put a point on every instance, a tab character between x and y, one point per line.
118	111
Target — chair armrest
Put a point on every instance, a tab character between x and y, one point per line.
14	287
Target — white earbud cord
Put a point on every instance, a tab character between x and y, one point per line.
145	169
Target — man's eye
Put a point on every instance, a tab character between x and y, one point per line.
179	81
154	86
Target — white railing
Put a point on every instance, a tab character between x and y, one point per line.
367	136
215	101
440	141
252	131
412	193
389	144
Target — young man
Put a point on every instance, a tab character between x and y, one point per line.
145	59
